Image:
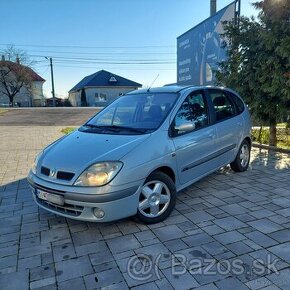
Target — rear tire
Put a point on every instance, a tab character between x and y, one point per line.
157	198
241	163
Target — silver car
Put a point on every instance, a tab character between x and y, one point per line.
136	154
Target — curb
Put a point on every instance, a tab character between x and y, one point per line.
272	148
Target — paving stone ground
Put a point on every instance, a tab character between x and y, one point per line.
229	231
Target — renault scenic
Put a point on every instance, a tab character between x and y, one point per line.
134	156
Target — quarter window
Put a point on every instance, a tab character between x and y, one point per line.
223	107
238	102
193	110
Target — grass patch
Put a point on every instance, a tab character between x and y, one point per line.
282	125
283	137
67	130
2	111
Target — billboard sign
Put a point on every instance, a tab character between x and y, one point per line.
200	49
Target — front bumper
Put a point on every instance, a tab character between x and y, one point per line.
116	204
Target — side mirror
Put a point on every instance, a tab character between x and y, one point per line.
185	127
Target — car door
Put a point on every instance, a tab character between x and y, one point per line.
228	123
193	137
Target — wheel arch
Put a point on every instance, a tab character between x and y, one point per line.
249	140
166	170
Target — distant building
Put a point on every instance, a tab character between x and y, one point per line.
100	88
32	97
58	102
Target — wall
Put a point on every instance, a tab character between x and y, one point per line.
111	94
37	92
26	98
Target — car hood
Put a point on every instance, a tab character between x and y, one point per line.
77	151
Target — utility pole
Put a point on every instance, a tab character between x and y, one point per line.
52	81
238	12
212	7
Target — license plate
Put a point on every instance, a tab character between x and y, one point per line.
50	197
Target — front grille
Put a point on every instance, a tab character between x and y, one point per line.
45	171
65	175
68	209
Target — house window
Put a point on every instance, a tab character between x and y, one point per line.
100	97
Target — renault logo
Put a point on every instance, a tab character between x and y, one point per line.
52	172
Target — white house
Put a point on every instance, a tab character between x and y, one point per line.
26	97
100	88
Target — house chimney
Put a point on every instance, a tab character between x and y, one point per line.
17	60
2	58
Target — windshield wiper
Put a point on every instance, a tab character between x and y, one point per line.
116	128
119	128
91	126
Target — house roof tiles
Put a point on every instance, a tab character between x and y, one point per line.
104	78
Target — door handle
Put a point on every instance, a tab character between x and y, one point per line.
211	135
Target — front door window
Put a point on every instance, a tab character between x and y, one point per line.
192	111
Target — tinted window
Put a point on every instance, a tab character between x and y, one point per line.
223	107
193	110
238	102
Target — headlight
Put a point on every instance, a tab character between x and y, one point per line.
34	165
99	174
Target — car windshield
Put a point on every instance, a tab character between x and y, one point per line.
133	114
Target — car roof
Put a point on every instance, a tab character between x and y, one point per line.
172	89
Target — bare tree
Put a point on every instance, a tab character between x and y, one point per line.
15	73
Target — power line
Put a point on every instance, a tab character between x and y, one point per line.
119	68
57	58
102	61
103	53
87	47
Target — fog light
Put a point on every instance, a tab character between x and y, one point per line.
99	213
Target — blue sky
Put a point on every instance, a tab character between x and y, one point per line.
110	31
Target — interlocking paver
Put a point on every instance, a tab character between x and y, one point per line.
40	273
230	284
281	236
73	268
15	281
261	239
104	279
229	237
77	283
282	251
282	280
54	235
229	223
265	226
198	239
124	243
167	233
225	216
179	282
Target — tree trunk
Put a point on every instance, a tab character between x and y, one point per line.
273	136
260	135
11	101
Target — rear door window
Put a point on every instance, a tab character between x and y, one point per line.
224	108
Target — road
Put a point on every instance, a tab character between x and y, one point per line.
46	116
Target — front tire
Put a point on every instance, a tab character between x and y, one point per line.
157	198
241	163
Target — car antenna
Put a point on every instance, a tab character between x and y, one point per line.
152	83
